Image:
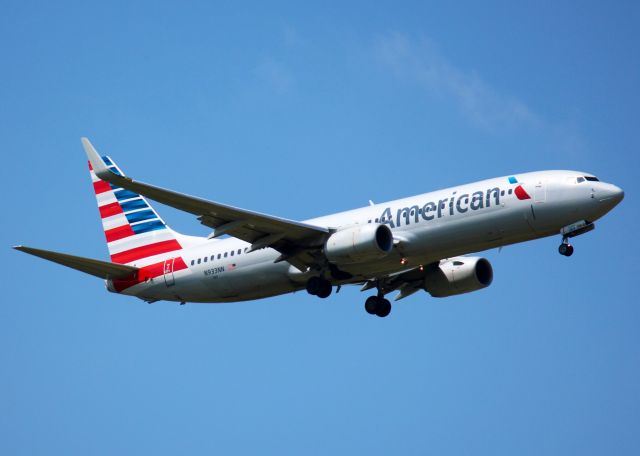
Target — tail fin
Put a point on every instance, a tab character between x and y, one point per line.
133	229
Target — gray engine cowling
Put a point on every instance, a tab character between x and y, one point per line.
358	244
458	275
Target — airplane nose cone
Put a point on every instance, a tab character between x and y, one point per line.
619	194
611	195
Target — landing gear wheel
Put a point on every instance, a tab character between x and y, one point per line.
565	249
375	305
325	289
371	305
313	285
383	308
317	286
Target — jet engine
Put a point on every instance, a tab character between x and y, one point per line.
358	244
458	275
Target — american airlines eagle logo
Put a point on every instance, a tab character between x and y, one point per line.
520	192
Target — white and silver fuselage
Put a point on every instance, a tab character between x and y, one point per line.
426	228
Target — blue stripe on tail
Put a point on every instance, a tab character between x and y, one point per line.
133	204
140	216
125	194
148	226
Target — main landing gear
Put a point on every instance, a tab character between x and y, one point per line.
377	305
317	286
374	305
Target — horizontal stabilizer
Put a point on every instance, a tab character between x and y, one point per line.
98	268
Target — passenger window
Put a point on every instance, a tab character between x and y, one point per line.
193	262
510	191
205	259
239	251
199	259
212	257
225	254
232	252
219	255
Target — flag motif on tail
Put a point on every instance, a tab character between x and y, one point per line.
133	229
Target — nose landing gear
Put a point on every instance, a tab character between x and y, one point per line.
573	230
565	248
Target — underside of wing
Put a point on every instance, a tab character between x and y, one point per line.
297	242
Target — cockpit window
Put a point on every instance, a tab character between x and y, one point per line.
592	178
580	180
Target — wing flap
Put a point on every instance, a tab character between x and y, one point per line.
98	268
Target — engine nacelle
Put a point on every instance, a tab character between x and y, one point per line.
458	275
358	244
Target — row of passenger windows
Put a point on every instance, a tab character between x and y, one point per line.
219	256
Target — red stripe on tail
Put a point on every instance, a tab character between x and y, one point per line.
145	251
101	187
110	209
120	232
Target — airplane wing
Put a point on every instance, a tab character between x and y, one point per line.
98	268
297	242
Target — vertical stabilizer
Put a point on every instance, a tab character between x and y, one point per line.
133	229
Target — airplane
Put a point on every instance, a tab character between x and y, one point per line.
407	245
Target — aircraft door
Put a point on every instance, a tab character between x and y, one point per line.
540	192
543	214
169	280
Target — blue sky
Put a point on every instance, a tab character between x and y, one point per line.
301	110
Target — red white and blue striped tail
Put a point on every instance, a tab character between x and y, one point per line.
134	231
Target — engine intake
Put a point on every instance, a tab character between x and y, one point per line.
459	275
358	244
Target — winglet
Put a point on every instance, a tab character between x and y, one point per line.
97	163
